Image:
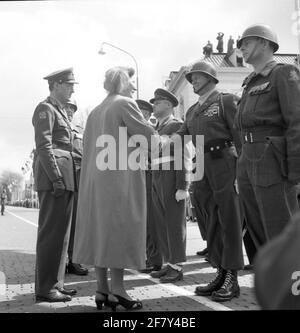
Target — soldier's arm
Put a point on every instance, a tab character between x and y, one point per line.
288	89
43	122
134	120
181	152
230	110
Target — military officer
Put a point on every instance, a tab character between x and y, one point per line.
153	256
169	191
55	183
212	116
269	123
71	108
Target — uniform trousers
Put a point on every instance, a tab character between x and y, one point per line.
220	203
73	227
52	240
169	216
202	209
268	199
74	215
153	254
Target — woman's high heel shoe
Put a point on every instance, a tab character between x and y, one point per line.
112	303
129	304
100	300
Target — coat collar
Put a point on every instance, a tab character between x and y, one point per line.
55	102
203	98
164	122
60	108
264	72
213	98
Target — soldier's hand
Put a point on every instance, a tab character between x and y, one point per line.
58	188
181	195
233	152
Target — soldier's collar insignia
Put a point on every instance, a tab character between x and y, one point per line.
248	79
268	68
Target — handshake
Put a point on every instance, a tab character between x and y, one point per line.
58	188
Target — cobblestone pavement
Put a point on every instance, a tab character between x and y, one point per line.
17	280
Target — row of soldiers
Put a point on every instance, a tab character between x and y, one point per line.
251	167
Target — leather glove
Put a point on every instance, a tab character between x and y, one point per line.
58	188
181	195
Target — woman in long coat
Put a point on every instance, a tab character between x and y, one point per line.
111	214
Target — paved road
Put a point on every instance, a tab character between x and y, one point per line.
17	259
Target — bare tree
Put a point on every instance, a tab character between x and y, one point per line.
10	180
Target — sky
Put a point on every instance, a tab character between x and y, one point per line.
39	37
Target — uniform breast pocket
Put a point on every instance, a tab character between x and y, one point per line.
258	96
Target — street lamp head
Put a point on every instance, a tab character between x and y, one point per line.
101	51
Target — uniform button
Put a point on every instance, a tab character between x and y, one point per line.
211	148
218	147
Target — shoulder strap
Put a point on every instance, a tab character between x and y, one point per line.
222	107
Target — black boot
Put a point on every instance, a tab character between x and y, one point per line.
76	269
214	285
229	289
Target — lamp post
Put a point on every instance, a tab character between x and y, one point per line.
101	51
297	9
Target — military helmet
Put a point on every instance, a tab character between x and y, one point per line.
261	31
73	103
202	67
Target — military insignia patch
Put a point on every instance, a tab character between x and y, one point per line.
212	111
43	115
257	89
294	76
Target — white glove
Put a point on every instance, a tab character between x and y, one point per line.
236	186
181	195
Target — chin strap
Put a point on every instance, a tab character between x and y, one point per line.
252	52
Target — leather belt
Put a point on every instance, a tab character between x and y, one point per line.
260	136
217	145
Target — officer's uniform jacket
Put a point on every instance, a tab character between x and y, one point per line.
271	103
211	120
217	199
54	145
168	127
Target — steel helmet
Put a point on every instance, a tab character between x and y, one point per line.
202	67
73	103
262	31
